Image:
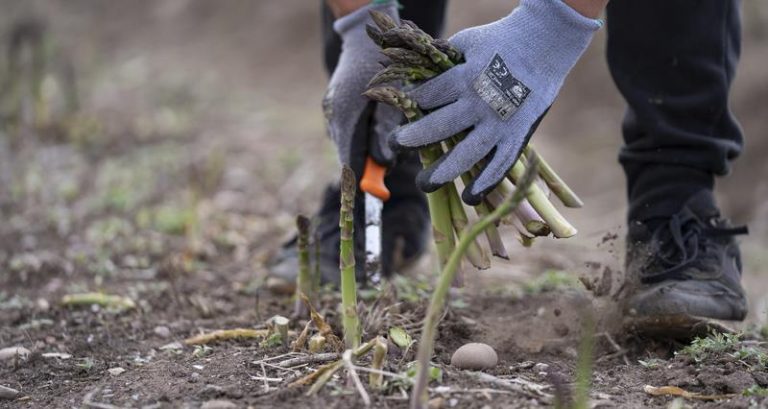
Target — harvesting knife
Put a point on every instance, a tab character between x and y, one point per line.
376	193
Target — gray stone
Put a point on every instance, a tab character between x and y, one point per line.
474	356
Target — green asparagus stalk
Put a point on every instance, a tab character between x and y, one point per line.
305	283
561	228
553	181
399	72
437	303
492	234
439	210
475	253
409	58
438	201
316	267
350	320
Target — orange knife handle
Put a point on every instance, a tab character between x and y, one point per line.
373	180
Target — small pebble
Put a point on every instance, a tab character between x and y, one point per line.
218	404
540	367
8	393
474	356
43	304
116	371
162	331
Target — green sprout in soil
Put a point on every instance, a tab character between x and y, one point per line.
584	363
347	260
651	363
419	395
551	280
712	345
111	302
756	391
305	282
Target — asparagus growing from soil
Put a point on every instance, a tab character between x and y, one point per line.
437	302
376	379
350	319
305	282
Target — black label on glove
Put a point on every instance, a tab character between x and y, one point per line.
503	92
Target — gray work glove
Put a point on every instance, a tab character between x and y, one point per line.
514	70
351	117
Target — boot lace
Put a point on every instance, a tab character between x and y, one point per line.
686	247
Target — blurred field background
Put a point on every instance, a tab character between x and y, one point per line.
180	93
199	127
198	137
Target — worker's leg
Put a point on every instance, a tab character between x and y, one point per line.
674	61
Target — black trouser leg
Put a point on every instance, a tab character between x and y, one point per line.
405	218
673	61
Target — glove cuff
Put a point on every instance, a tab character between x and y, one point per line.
561	15
361	16
551	33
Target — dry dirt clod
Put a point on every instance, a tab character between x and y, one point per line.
218	404
116	371
14	352
8	393
162	331
474	356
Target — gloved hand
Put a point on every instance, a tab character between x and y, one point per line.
351	117
514	70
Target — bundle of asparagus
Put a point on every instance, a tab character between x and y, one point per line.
415	56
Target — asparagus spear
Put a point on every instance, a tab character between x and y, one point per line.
559	225
350	320
553	180
437	302
305	282
438	201
400	72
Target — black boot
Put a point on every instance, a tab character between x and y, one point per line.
405	231
686	264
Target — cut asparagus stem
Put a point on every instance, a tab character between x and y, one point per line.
553	180
438	201
538	228
533	225
316	343
376	379
305	282
492	234
419	395
439	210
495	243
350	319
560	227
475	253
